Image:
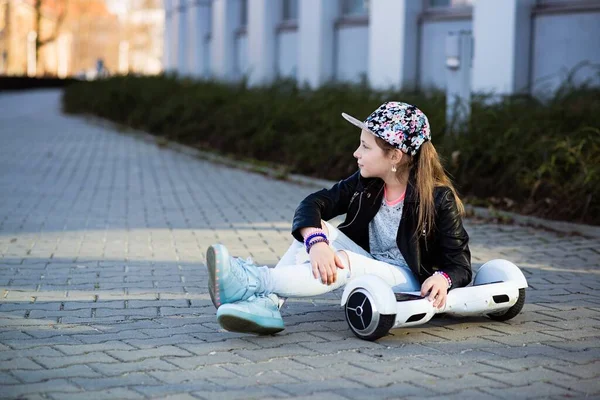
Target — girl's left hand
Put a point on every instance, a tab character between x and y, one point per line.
437	287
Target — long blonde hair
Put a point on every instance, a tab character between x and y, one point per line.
429	174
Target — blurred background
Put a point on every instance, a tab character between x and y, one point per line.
511	87
81	38
517	45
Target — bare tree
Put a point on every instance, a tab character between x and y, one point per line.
39	42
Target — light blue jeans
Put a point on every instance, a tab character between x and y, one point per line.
293	276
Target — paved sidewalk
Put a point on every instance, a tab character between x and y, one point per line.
103	286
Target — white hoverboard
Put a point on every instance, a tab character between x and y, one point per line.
372	307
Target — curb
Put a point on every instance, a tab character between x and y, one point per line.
488	214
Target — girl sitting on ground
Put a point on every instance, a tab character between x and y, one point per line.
403	223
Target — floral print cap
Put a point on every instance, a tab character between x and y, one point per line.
402	125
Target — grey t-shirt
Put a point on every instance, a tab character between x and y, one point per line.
382	234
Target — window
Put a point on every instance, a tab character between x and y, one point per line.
355	7
243	12
290	10
554	1
449	3
566	6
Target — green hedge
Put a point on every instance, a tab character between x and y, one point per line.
520	154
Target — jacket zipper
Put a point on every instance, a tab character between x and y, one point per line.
424	235
357	211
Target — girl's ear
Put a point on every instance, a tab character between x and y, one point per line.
397	155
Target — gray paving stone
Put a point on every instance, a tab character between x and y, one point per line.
77	349
54	385
77	305
148	365
587	371
14	335
468	394
334	357
121	326
329	372
102	253
399	390
326	395
397	363
215	358
337	385
61	330
7	379
253	369
203	374
20	363
338	345
159	332
537	374
79	371
157	352
106	337
129	380
289	350
588	387
159	391
226	345
526	362
578	357
178	396
106	394
524	338
578	345
269	378
64	361
392	350
286	337
37	343
179	340
468	368
459	383
533	390
457	360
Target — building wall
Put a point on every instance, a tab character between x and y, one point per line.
287	54
540	39
352	52
241	56
561	42
432	50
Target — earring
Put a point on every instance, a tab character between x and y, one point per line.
394	168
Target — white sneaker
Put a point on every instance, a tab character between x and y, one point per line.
258	314
230	279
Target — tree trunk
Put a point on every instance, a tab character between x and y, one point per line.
37	28
39	43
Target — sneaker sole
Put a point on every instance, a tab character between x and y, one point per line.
216	257
237	321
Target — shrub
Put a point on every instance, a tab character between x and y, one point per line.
539	157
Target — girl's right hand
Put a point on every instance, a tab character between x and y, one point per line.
324	263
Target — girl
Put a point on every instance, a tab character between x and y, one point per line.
403	224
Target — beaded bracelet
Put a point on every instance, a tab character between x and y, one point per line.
319	240
310	231
314	235
445	275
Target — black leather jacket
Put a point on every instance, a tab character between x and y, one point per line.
446	248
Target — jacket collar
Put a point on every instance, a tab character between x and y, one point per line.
376	184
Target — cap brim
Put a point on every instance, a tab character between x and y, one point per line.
354	121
